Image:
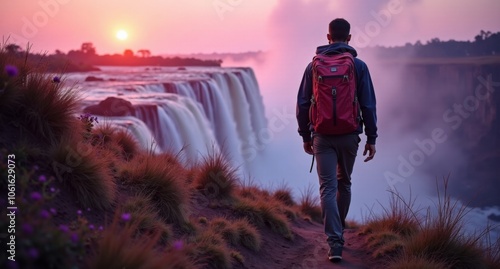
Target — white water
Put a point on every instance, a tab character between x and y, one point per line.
194	111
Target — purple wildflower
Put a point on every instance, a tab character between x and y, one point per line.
79	212
178	245
126	216
56	79
11	70
35	196
33	253
52	189
44	214
27	228
53	211
101	228
74	238
91	227
42	178
64	228
88	209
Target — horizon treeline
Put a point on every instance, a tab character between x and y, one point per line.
485	43
86	58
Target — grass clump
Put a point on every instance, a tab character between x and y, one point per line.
209	250
163	182
32	105
400	218
284	195
444	239
215	177
119	247
84	171
249	237
225	228
431	240
309	206
264	214
238	232
141	212
119	141
417	262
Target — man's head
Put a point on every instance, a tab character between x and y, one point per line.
338	31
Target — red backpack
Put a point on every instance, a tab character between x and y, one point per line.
334	103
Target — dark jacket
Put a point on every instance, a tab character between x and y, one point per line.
366	95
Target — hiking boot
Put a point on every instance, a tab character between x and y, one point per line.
335	253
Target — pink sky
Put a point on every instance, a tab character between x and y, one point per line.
172	26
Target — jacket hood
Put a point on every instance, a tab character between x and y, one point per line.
336	48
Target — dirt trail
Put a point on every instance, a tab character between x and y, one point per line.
309	251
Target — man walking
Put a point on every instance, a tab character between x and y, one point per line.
330	121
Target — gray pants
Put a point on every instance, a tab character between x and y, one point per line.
335	157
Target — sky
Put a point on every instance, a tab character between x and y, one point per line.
206	26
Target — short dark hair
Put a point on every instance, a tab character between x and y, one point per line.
339	29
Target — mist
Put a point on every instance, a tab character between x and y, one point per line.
295	29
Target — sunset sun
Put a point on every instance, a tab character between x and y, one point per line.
121	34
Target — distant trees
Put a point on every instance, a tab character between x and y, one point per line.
128	53
13	48
485	43
88	48
144	53
482	36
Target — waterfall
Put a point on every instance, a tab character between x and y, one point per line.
194	111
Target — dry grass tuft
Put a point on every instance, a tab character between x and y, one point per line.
225	228
249	236
84	170
210	250
417	262
215	177
163	181
31	105
146	217
118	247
119	141
284	195
309	205
262	214
400	218
385	243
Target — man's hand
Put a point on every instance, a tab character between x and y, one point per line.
308	148
370	149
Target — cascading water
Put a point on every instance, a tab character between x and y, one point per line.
194	111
